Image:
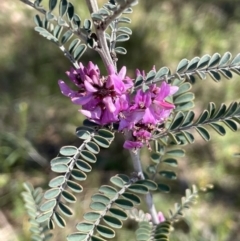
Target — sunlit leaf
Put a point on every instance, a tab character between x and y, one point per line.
105	231
84	227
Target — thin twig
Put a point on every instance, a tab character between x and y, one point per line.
69	56
113	41
92	6
135	156
103	49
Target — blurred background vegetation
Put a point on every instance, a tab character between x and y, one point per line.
36	120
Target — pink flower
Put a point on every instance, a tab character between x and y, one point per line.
160	215
148	110
101	98
107	100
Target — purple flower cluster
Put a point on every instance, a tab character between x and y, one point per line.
107	100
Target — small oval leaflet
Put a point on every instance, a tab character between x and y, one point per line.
117	181
88	156
57	181
193	64
97	206
225	59
186	136
91	216
78	175
150	75
112	221
38	20
236	60
177	121
188	119
51	224
138	188
118	213
105	231
60	160
76	237
124	204
232	125
68	150
63	7
176	153
87	24
124	30
101	141
185	87
163	188
59	220
120	50
75	187
171	161
155	157
59	168
144	229
124	20
76	20
52	193
124	178
65	209
203	62
84	227
164	71
122	38
52	4
83	166
144	237
185	106
97	238
168	174
69	197
132	197
203	133
226	73
182	66
214	60
92	147
186	97
218	128
48	205
97	17
73	45
83	134
214	75
108	190
100	198
203	117
151	185
70	11
43	217
57	31
79	51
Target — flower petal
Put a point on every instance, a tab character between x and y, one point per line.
89	87
109	104
82	100
65	89
132	144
